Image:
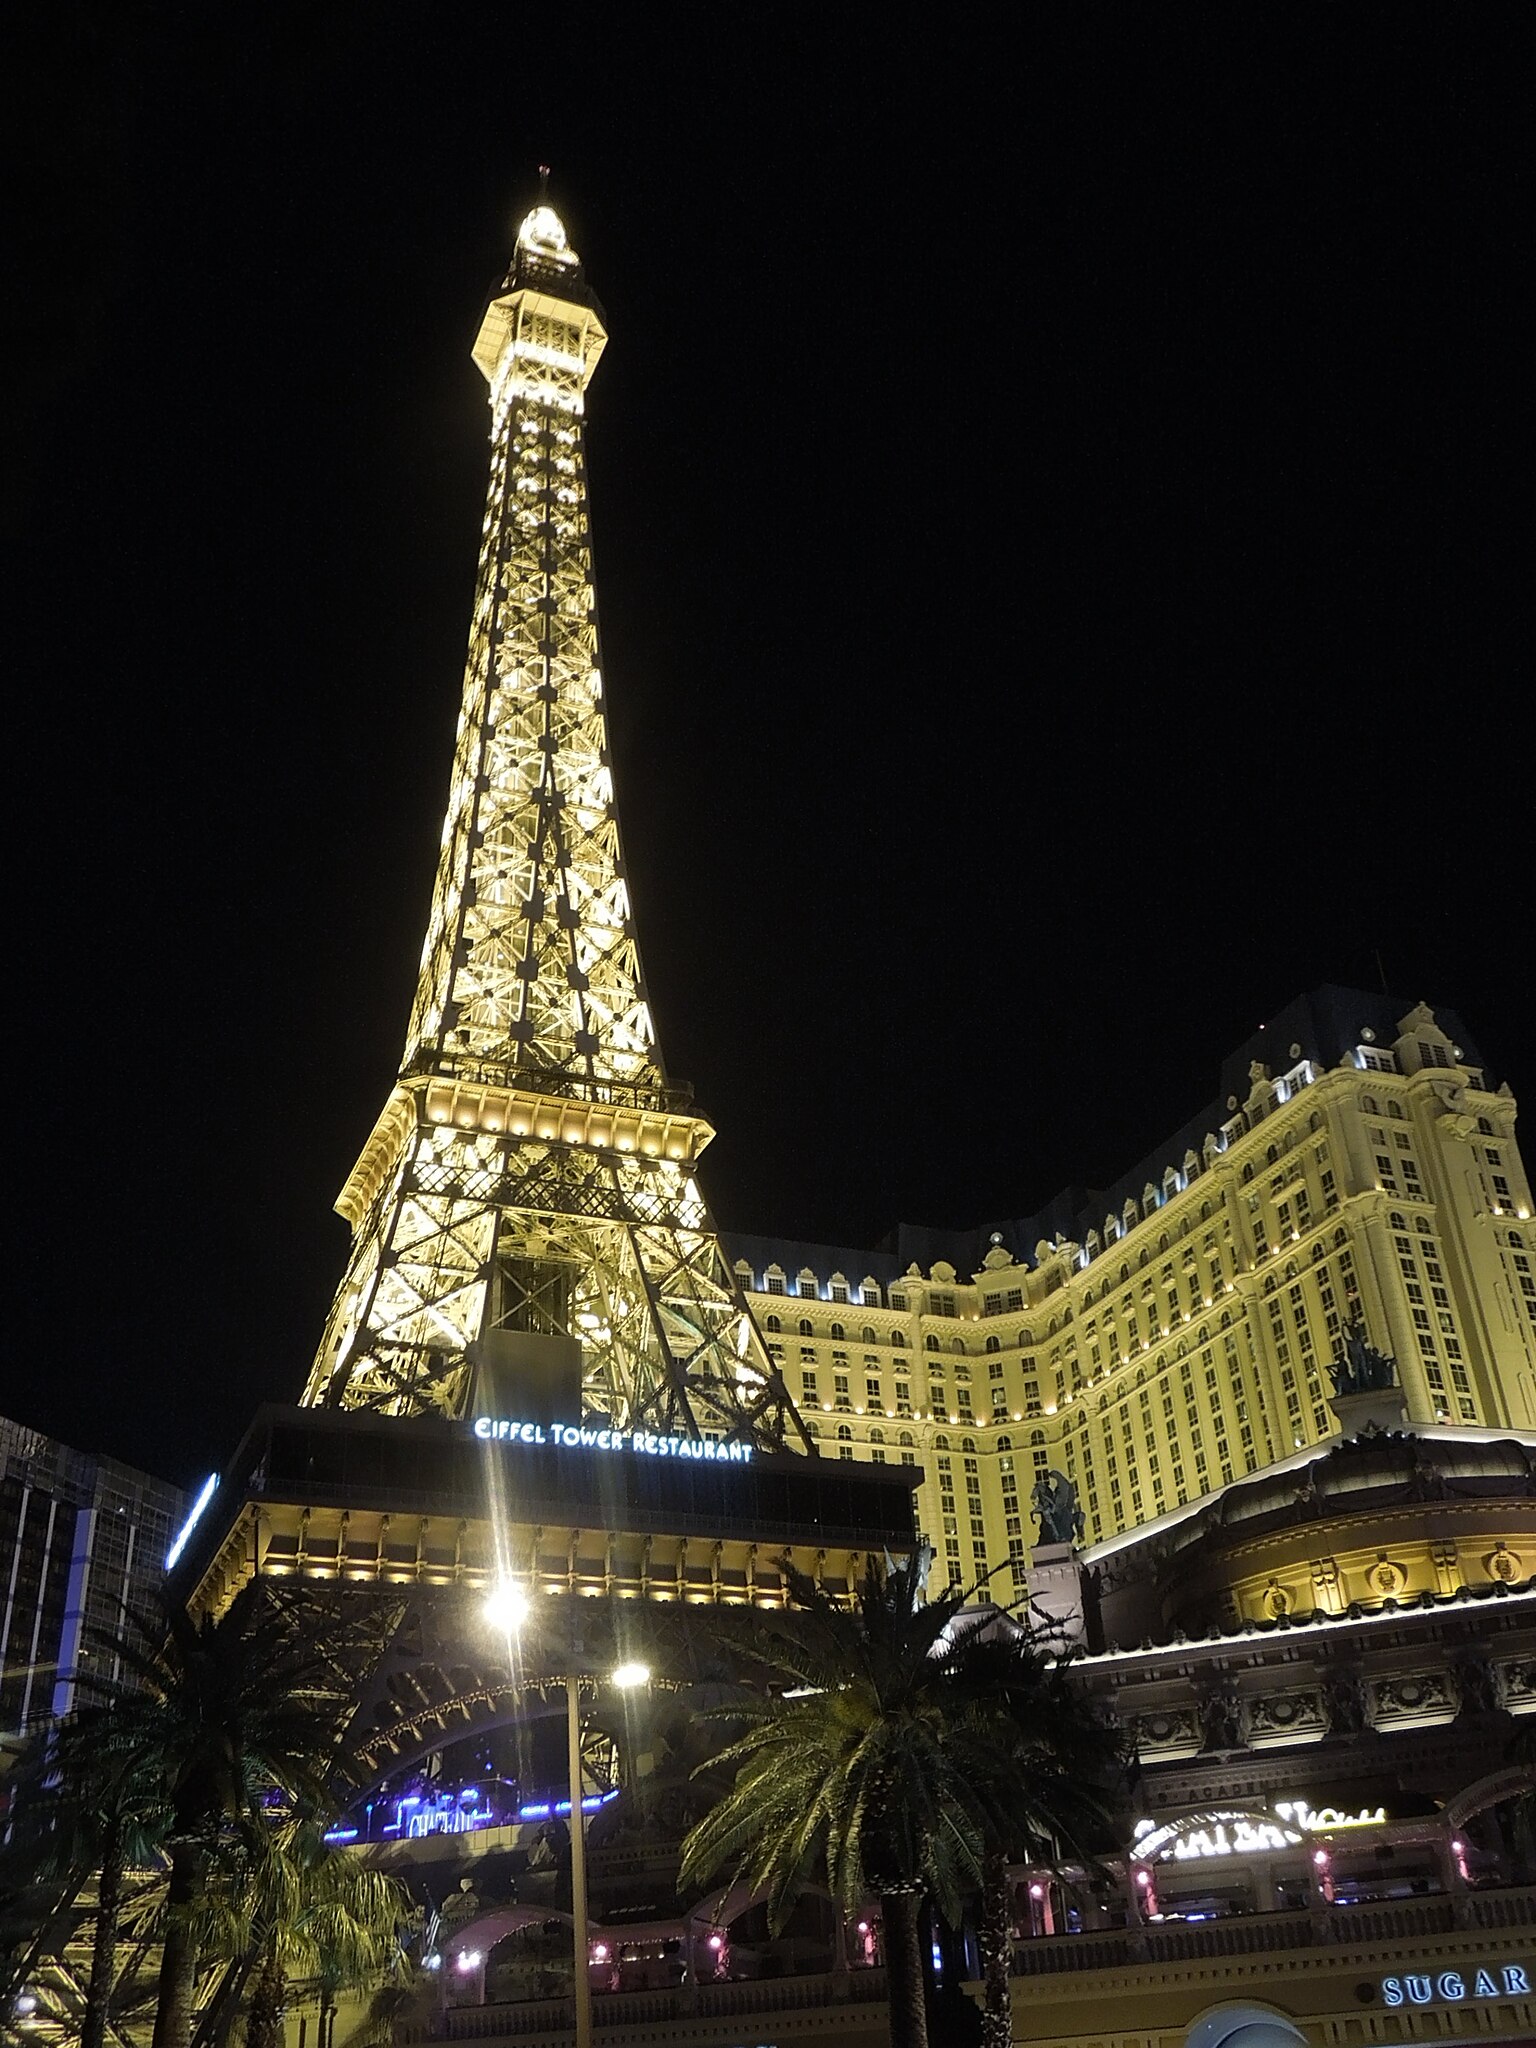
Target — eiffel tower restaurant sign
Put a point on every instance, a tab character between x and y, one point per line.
582	1436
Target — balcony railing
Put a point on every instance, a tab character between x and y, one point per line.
1241	1934
742	2000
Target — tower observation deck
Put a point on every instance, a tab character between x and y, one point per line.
529	1238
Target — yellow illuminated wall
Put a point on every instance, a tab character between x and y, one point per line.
1185	1342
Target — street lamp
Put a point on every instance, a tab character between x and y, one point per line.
507	1608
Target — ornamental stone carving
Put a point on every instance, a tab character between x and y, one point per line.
1347	1703
1413	1700
1387	1578
1221	1718
1174	1732
1503	1565
1286	1716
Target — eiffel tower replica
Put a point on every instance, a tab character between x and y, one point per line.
539	1370
528	1231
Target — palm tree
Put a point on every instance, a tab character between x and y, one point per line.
84	1803
292	1906
103	1811
897	1758
211	1721
1062	1762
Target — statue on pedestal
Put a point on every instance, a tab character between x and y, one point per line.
1054	1501
1358	1367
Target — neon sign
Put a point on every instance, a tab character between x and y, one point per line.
1313	1818
1211	1834
1453	1987
501	1429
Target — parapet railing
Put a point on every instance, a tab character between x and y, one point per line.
1241	1934
750	1996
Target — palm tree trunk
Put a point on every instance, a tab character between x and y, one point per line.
178	1956
109	1900
903	1970
264	2022
993	1938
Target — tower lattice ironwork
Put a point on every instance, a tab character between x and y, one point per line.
525	1214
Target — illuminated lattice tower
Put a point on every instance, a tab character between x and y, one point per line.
527	1228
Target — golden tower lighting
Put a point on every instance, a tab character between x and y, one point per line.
525	1214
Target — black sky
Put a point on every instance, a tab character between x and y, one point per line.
1057	478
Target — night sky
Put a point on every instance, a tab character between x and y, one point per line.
1057	477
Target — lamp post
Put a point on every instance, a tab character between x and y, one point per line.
507	1608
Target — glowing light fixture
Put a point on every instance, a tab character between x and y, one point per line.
506	1607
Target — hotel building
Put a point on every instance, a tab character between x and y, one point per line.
1172	1334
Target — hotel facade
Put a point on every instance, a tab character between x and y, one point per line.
1174	1334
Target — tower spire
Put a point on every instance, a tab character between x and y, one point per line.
528	1234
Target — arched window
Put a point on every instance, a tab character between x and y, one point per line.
1397	1219
1368	1104
906	1439
1037	1436
967	1443
958	1344
838	1332
877	1436
1247	1172
805	1326
942	1442
867	1335
930	1343
898	1341
994	1344
773	1323
844	1433
1005	1443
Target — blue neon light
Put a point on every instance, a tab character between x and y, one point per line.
192	1521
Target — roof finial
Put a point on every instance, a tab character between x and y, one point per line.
543	184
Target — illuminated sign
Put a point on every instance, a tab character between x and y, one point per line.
1313	1818
1455	1987
553	1809
501	1429
1244	1834
1211	1834
192	1521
